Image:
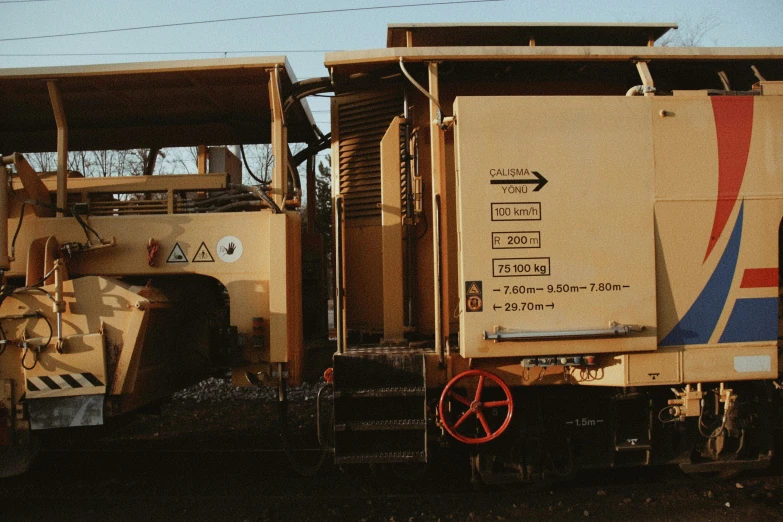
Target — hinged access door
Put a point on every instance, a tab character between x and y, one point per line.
555	215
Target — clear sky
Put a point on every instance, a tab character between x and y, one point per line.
305	38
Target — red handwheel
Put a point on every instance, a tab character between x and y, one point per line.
475	406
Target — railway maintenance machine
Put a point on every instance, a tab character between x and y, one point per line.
555	245
559	244
120	290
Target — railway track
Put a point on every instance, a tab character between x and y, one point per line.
185	464
224	483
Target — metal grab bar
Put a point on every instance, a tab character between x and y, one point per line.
614	330
339	291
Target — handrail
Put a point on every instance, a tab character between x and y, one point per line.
122	184
615	330
338	273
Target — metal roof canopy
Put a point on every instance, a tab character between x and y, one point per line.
514	34
350	66
141	105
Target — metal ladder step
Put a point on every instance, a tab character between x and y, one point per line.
383	425
382	458
380	410
398	391
629	446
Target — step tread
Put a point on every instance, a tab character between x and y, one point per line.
627	446
389	391
382	457
381	425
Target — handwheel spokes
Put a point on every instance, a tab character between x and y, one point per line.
495	404
449	398
463	418
459	398
479	388
484	423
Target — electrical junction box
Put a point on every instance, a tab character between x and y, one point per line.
556	229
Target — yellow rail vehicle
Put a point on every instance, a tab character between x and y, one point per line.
120	290
585	247
557	243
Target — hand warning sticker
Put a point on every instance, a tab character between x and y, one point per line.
177	255
473	297
229	249
203	255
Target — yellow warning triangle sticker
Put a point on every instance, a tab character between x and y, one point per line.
177	255
473	289
203	255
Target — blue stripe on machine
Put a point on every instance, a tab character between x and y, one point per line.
752	319
698	323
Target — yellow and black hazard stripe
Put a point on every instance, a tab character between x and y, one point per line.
68	381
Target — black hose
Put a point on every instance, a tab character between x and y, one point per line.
51	331
323	143
4	342
308	87
237	204
249	170
18	228
27	348
34	288
294	173
85	227
260	194
41	281
25	351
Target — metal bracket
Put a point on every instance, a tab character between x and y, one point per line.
687	403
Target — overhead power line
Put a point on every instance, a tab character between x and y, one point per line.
162	53
243	18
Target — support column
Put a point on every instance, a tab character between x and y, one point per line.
647	79
62	145
279	139
285	293
440	229
201	159
5	263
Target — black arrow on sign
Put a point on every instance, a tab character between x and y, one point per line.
550	305
495	307
540	181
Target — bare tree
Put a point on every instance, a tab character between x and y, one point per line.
691	32
261	162
133	162
108	163
80	161
43	161
179	160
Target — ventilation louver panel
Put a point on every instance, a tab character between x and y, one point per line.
362	122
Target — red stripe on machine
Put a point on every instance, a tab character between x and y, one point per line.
760	278
733	126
